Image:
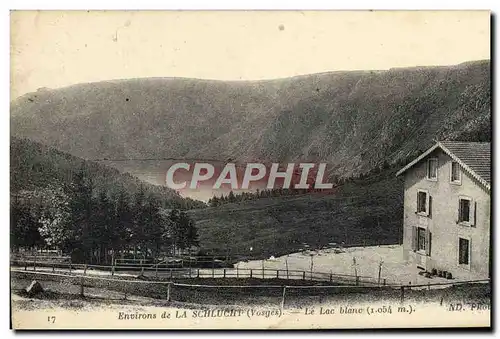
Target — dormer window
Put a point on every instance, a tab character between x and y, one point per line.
432	166
455	177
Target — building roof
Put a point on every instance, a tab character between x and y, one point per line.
474	157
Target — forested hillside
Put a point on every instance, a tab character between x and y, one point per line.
91	211
34	166
352	120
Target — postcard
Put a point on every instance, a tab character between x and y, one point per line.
250	169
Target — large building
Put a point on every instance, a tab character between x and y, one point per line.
447	209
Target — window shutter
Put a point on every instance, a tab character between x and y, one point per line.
472	213
414	238
427	201
428	240
470	253
429	208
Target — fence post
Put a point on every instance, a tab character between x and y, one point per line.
168	291
286	265
283	299
384	281
303	275
25	265
379	271
198	273
224	273
357	280
409	285
428	285
53	267
250	273
85	269
81	286
170	273
402	293
277	274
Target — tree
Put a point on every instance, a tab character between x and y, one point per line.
139	229
122	225
231	198
175	233
214	201
54	218
80	216
23	226
192	234
184	231
154	225
103	219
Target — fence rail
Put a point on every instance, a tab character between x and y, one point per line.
210	293
173	273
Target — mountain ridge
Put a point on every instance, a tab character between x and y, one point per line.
353	120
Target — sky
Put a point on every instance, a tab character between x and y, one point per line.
59	48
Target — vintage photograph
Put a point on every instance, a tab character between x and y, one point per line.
250	169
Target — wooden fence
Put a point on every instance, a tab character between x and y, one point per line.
211	294
178	273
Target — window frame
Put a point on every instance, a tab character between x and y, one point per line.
469	252
472	211
459	181
428	167
423	250
427	202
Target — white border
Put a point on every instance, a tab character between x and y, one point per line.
189	4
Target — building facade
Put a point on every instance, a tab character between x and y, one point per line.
447	209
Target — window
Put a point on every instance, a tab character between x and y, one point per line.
421	239
423	202
432	165
455	172
464	210
463	251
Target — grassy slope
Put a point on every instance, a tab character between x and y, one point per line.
367	211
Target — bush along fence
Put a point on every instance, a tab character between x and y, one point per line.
243	291
153	271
